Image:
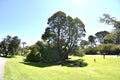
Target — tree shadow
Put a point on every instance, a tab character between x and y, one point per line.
38	64
68	63
75	63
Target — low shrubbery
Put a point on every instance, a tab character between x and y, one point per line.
79	52
90	50
49	54
43	52
109	49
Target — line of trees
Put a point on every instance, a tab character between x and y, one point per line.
109	41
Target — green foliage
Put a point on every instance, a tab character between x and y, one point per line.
10	46
91	50
114	36
109	38
91	40
100	35
41	51
84	44
110	49
27	51
48	52
50	55
107	49
79	52
34	55
64	31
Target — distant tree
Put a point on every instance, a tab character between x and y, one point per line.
100	35
64	32
109	38
84	43
14	45
107	19
91	40
109	49
23	43
10	45
23	46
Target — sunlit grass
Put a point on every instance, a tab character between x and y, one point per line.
102	69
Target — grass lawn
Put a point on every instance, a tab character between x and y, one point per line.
103	69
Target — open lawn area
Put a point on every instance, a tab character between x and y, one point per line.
102	69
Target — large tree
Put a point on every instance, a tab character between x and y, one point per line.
65	32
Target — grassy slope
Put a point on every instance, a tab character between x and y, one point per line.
108	69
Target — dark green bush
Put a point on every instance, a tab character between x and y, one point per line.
109	49
49	54
91	50
79	52
34	55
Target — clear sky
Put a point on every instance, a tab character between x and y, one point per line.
27	19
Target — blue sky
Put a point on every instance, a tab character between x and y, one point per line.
27	19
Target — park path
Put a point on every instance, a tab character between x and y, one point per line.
2	63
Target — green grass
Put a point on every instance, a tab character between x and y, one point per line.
108	69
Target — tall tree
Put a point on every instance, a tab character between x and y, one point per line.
65	32
14	45
23	43
100	35
92	41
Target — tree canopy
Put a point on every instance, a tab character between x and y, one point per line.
65	32
107	19
10	45
100	35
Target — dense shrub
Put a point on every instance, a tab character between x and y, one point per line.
109	49
79	52
34	55
49	54
90	50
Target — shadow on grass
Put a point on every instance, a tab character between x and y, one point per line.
75	63
38	64
69	63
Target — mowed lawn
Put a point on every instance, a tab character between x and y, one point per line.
102	69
